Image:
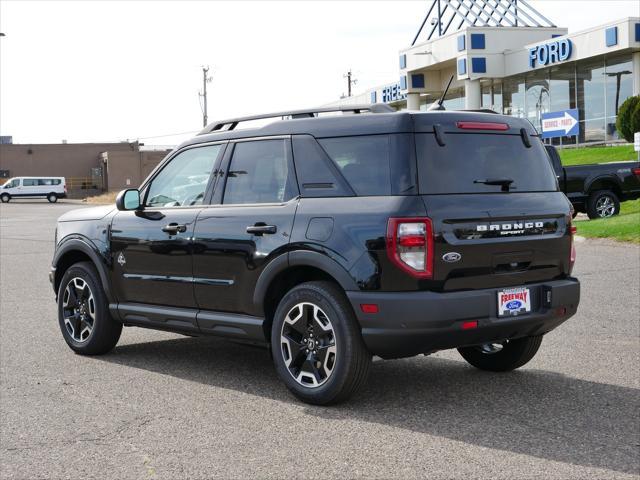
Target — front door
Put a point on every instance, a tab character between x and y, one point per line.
251	225
151	247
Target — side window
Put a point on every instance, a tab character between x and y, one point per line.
29	182
259	173
46	181
13	183
184	179
364	162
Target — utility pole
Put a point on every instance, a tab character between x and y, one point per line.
350	81
205	80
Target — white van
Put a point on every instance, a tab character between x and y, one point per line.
51	188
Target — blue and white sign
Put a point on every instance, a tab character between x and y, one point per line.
560	124
552	52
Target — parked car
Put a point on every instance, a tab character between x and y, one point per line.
51	188
597	189
332	239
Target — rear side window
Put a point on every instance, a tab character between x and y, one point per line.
363	161
29	182
468	162
260	173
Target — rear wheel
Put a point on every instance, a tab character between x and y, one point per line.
5	197
83	314
502	357
317	347
52	197
603	204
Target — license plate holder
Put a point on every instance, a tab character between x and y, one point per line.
514	301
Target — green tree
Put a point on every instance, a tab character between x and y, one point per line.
629	118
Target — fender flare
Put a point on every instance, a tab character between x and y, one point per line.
301	258
608	178
84	245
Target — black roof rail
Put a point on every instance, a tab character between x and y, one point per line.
232	123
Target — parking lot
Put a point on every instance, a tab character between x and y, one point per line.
167	406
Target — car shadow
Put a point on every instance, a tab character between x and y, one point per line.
532	412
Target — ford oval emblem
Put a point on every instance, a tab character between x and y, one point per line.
514	305
451	257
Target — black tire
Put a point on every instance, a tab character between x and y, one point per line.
5	197
105	332
603	204
514	354
350	361
52	197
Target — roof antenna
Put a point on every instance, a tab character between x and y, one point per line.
438	104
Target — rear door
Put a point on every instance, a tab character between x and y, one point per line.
498	217
251	224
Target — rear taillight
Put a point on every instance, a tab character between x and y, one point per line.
482	126
572	256
410	245
636	172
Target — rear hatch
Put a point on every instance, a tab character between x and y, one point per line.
492	196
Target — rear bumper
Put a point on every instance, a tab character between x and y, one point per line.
410	323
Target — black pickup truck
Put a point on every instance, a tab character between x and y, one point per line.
597	189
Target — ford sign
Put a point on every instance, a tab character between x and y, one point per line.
548	53
513	305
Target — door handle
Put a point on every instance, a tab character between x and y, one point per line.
261	228
174	228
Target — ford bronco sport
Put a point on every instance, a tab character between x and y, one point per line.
332	238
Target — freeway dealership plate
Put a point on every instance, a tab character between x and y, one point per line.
514	301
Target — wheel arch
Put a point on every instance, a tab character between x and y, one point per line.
605	182
289	270
77	250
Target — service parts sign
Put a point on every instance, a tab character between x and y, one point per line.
560	124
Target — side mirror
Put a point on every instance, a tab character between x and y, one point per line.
128	199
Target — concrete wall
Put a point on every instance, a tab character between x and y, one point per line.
123	163
129	169
64	160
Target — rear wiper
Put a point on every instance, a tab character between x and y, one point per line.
503	182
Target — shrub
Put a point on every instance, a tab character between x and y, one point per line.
629	118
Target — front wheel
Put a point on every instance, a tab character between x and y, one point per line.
502	357
83	313
317	346
603	204
5	197
52	197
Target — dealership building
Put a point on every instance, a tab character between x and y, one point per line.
506	56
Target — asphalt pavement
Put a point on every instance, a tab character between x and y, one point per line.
167	406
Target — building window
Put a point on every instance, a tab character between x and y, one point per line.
611	36
462	66
619	86
513	96
590	85
374	97
477	41
537	96
417	80
403	62
403	82
562	94
479	65
461	45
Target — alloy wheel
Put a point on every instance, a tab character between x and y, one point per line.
78	309
491	348
605	207
308	345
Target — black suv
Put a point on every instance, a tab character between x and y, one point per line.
332	238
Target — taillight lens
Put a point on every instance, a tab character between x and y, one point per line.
483	126
572	258
410	245
636	172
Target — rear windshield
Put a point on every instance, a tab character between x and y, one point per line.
470	162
